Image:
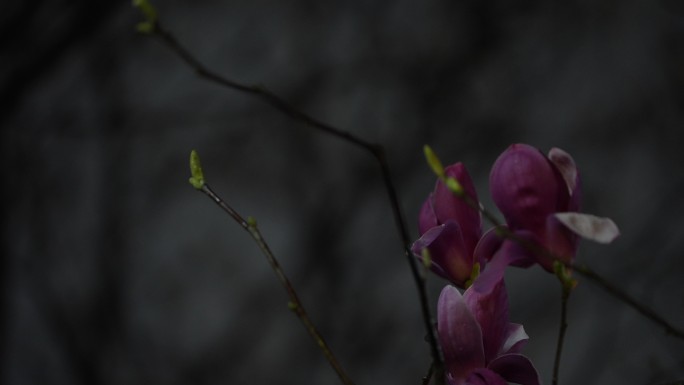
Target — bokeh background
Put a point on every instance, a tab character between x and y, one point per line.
115	271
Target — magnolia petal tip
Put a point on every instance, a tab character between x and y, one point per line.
597	229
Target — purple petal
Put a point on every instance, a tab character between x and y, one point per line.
515	253
515	368
493	273
427	218
425	242
448	254
484	376
560	242
459	335
516	339
601	230
488	302
487	247
525	186
450	207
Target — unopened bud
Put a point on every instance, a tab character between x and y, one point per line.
433	161
197	178
455	187
426	258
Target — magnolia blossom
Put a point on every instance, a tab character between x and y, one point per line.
480	346
450	229
540	198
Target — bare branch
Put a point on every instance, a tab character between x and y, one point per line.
295	304
153	26
561	332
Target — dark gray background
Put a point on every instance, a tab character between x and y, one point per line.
115	271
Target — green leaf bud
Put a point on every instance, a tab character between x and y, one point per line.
197	178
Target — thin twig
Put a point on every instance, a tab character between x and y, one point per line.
561	332
626	298
609	287
259	91
376	150
295	304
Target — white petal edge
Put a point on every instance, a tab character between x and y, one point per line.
597	229
566	165
515	338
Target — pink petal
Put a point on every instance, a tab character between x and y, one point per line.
448	254
516	339
488	302
450	207
601	230
427	218
515	368
525	186
459	334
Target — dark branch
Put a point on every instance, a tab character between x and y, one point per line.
376	150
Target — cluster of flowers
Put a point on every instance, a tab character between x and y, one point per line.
539	197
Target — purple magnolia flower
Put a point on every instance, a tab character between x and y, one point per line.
450	229
480	346
540	198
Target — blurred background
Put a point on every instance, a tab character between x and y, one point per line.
115	271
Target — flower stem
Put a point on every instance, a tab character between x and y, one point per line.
295	304
561	331
376	150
